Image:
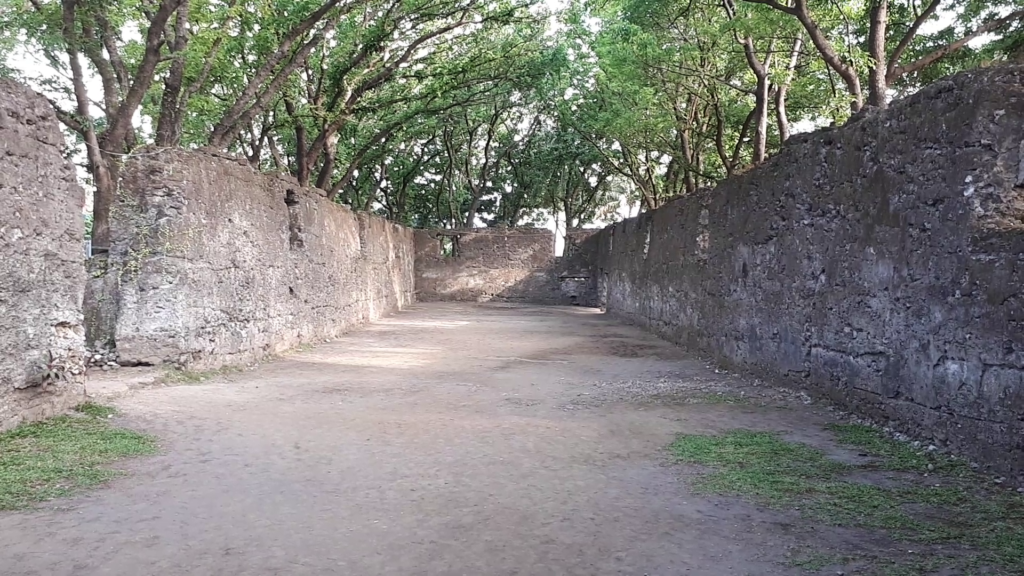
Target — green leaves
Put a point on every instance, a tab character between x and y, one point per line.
439	112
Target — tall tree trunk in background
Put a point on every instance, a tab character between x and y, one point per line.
103	197
827	52
877	83
122	98
270	78
760	68
761	99
172	110
895	70
301	166
783	90
323	180
474	208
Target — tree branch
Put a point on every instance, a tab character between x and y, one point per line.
900	71
897	52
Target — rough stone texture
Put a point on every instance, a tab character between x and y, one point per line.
214	263
487	264
517	265
577	281
41	263
880	264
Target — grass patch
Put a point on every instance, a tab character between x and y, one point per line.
184	376
816	561
179	376
95	410
769	470
57	457
896	456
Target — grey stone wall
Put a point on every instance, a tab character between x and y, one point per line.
880	264
42	274
515	264
213	263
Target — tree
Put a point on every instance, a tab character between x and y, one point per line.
886	65
461	112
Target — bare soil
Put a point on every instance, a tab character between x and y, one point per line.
450	439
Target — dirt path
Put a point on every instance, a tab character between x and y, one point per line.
447	440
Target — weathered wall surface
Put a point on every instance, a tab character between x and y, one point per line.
517	264
881	264
578	281
214	263
501	264
41	263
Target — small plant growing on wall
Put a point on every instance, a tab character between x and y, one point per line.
52	370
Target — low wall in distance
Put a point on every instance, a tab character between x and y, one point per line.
509	264
486	264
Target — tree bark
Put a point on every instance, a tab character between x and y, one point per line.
169	124
761	97
257	89
781	116
878	85
929	59
904	42
301	166
825	49
115	135
103	196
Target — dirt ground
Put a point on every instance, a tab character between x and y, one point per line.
450	439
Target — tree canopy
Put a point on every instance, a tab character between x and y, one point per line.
457	113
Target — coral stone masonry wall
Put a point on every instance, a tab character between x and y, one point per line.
214	263
41	263
881	264
485	264
517	265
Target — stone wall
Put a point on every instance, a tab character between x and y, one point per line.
486	264
41	263
880	264
213	263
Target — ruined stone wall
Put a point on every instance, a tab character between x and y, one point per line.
213	263
41	263
577	279
881	264
514	264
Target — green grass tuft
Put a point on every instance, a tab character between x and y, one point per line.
57	457
96	410
816	561
896	456
765	468
185	376
758	464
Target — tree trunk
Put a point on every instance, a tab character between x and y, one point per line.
474	207
761	98
301	166
172	113
103	196
828	53
877	85
323	180
269	79
781	116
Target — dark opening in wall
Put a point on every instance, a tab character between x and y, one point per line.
295	240
449	246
